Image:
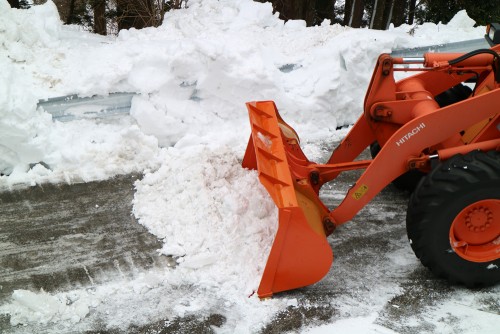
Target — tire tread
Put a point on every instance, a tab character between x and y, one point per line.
431	194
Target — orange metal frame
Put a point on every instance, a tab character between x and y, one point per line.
410	127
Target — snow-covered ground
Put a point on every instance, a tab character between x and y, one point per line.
187	133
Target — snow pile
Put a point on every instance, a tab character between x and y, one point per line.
20	122
34	48
147	298
195	73
43	308
187	132
198	202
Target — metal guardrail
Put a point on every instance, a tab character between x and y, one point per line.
72	107
464	46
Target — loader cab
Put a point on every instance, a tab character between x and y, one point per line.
493	34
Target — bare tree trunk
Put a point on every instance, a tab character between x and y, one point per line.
379	11
389	9
71	13
399	15
357	13
99	17
14	3
348	9
296	10
411	11
354	10
324	10
177	4
374	12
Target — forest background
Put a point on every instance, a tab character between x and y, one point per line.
110	16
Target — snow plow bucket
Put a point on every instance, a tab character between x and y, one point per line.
300	254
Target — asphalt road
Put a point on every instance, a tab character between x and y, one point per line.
61	237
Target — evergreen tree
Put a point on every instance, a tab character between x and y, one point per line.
483	12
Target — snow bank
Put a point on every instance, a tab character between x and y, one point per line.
194	73
20	122
187	132
39	58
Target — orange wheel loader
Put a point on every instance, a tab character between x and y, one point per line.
439	128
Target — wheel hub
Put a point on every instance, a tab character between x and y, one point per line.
479	219
475	231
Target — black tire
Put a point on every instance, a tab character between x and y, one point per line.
438	199
408	181
453	95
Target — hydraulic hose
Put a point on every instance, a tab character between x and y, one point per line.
495	63
472	54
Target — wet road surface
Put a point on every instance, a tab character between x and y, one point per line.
61	237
